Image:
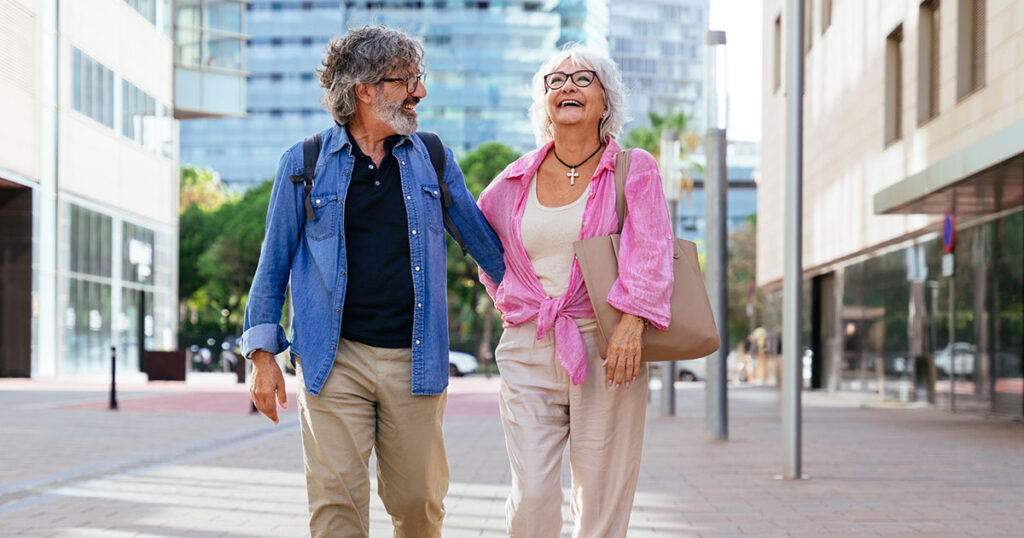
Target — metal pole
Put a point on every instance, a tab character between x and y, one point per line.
952	348
792	365
715	210
113	378
715	277
669	151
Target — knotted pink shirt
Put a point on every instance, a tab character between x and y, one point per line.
644	286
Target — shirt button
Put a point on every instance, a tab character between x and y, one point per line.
337	310
417	268
403	163
408	197
343	273
342	236
435	193
414	232
371	167
419	305
417	342
346	172
318	200
376	183
332	347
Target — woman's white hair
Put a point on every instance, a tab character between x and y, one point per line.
607	72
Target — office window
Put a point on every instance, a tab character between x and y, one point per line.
970	47
928	61
826	15
893	85
777	53
92	88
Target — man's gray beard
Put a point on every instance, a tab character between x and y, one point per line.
390	112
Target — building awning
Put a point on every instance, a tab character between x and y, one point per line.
986	177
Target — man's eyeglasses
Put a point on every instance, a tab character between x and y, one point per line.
581	78
412	82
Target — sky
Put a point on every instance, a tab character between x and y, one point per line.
741	21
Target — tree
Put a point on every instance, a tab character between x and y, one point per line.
649	138
470	310
219	245
742	280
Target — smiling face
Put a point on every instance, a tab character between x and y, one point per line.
395	106
572	105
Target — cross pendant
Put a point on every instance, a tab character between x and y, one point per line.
572	175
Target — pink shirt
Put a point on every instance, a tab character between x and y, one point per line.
644	286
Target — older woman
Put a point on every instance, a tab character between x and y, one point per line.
555	388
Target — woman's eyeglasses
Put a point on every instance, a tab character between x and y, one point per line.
581	78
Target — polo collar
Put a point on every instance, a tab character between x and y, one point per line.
339	139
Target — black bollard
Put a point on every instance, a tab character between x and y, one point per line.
113	378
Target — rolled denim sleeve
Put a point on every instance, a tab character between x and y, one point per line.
262	327
481	241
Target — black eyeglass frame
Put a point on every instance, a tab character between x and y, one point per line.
569	76
412	82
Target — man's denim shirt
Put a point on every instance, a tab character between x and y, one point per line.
313	255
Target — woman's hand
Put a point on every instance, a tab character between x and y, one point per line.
622	365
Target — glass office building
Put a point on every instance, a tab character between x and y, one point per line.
89	178
659	47
480	58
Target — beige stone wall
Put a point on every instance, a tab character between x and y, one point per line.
98	163
846	160
19	87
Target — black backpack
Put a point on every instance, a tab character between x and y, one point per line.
311	152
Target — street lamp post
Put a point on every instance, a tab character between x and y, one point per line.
792	364
715	188
670	176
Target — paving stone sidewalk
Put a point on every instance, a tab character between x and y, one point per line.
182	460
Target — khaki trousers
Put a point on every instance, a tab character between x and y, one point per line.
367	403
540	410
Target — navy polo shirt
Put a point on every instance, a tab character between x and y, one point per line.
379	297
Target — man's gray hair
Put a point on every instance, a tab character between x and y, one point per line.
607	72
363	56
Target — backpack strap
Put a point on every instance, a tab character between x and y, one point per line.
437	158
621	173
310	154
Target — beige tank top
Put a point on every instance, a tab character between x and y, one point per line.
548	234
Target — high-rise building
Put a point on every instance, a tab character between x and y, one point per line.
659	48
480	58
89	181
913	196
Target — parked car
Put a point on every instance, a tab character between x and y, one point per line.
688	370
460	364
964	354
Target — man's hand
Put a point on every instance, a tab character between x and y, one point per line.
622	365
267	384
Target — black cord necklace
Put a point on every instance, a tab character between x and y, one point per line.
572	174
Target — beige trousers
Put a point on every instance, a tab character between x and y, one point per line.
367	403
540	410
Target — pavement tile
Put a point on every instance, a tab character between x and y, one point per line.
178	462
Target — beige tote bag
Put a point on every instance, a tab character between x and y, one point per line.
692	332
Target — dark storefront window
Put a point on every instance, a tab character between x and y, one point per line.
895	321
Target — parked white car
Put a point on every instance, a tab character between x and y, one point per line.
963	352
460	364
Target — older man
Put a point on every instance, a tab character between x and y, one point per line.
363	247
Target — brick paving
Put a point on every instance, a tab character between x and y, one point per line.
186	460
